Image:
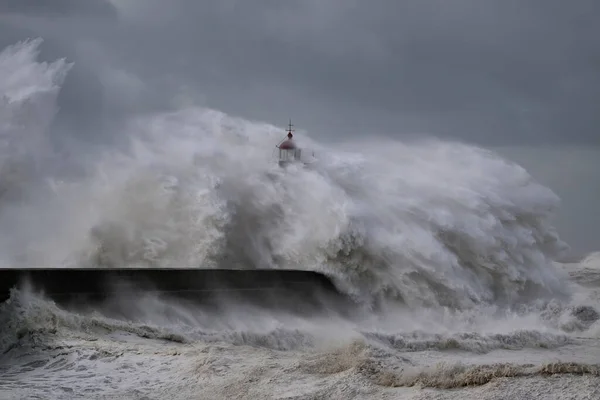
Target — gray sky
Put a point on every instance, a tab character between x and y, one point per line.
519	76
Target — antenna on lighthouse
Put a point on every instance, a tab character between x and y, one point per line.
290	129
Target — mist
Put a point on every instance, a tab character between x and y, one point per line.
503	75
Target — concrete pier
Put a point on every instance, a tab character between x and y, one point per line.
270	288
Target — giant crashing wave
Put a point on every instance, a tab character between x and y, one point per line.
428	223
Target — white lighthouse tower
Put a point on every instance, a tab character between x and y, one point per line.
289	152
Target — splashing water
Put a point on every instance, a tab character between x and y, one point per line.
448	226
430	223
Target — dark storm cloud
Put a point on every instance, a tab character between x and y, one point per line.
58	7
493	72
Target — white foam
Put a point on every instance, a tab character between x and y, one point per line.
433	223
437	224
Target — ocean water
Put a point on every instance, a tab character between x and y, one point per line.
452	245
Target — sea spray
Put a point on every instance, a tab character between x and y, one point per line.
429	223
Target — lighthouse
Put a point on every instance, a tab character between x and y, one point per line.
289	152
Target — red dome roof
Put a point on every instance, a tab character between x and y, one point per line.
288	145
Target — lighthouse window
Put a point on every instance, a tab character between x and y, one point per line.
289	154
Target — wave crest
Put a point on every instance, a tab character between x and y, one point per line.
431	223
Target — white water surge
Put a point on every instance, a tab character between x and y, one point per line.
454	242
